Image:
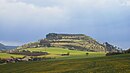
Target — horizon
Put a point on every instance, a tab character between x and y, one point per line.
23	21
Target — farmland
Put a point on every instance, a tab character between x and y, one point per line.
108	64
5	55
56	52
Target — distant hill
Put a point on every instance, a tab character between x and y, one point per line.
71	41
3	47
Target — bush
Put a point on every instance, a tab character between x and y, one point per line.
2	60
113	53
127	51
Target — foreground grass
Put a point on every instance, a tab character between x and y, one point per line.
111	64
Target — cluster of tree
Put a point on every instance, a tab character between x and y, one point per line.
113	53
112	48
119	52
29	45
127	51
67	54
44	43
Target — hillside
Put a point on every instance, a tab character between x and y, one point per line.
74	42
111	64
3	47
71	41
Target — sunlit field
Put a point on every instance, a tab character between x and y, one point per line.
5	55
111	64
56	52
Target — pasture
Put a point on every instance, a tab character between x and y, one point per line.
56	52
6	55
107	64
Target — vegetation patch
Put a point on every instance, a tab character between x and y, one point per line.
5	55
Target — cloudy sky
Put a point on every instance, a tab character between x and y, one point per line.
23	21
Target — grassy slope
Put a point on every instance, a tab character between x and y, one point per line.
5	55
112	64
55	52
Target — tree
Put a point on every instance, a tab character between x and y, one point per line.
45	43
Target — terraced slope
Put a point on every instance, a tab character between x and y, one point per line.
75	42
71	41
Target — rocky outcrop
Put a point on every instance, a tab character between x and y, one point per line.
72	42
75	42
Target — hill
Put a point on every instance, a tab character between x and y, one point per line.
3	47
71	41
109	64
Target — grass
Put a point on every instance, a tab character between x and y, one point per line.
5	55
110	64
55	52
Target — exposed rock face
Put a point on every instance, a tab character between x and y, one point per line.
54	36
111	48
44	43
75	42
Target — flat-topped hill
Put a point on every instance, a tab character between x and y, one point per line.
74	42
71	41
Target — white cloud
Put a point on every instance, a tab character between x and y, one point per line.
11	43
88	3
16	11
126	2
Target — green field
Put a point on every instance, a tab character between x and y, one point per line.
56	52
111	64
5	55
